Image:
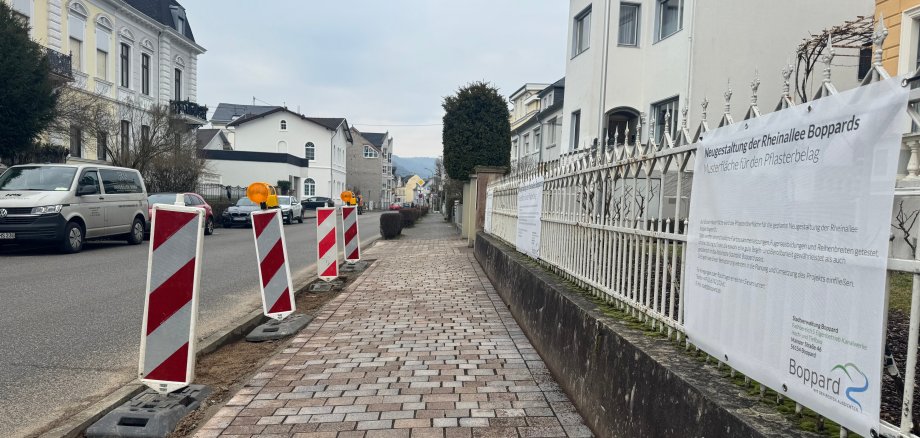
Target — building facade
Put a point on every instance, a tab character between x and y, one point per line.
365	162
536	136
134	53
384	142
309	152
656	57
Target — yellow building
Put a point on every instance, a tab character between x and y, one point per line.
901	48
128	52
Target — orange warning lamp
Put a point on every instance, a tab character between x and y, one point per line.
263	194
347	197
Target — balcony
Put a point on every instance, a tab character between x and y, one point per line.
194	113
61	65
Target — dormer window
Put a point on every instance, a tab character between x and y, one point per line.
178	13
284	125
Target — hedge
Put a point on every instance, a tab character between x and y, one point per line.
390	225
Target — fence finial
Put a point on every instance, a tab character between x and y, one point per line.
667	120
878	39
728	98
683	116
704	104
616	134
639	127
755	84
787	74
828	57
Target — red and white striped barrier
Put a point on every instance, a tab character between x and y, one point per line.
350	225
274	270
167	357
327	251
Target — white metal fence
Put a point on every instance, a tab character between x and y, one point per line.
614	220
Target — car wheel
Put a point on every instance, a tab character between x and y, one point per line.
209	226
300	218
73	238
136	236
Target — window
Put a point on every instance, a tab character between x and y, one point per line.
125	58
660	112
370	152
514	148
551	131
76	54
102	65
145	135
310	151
284	125
526	144
629	25
576	128
76	142
309	187
178	84
90	178
581	32
125	136
102	140
145	74
537	140
670	18
120	181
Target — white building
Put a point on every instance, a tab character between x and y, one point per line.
272	144
130	52
658	56
536	120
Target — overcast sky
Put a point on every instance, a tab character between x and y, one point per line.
374	62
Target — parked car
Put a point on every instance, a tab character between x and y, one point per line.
191	200
291	210
395	206
239	214
68	204
313	202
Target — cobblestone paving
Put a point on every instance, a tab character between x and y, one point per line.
419	346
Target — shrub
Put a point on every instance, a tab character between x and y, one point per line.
390	225
409	216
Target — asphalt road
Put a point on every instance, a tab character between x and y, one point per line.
70	324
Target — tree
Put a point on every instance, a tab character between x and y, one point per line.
476	130
27	96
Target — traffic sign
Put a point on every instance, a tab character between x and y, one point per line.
327	251
167	356
350	225
274	269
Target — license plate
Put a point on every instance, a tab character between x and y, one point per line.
7	236
239	219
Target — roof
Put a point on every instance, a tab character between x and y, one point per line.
558	84
225	112
206	135
162	12
530	86
330	123
377	138
364	137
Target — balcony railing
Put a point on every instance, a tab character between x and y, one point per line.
189	108
61	64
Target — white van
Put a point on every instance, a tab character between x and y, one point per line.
68	204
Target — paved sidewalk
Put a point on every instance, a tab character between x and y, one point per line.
420	345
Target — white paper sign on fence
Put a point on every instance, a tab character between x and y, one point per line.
788	242
490	193
530	203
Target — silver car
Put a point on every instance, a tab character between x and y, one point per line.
291	209
68	204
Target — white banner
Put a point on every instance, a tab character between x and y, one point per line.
787	250
530	203
490	193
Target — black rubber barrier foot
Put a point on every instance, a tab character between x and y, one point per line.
357	267
149	414
274	329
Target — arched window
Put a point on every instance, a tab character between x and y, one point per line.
282	147
310	151
309	187
284	125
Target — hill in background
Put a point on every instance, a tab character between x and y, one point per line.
408	166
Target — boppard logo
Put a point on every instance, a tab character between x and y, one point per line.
858	382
